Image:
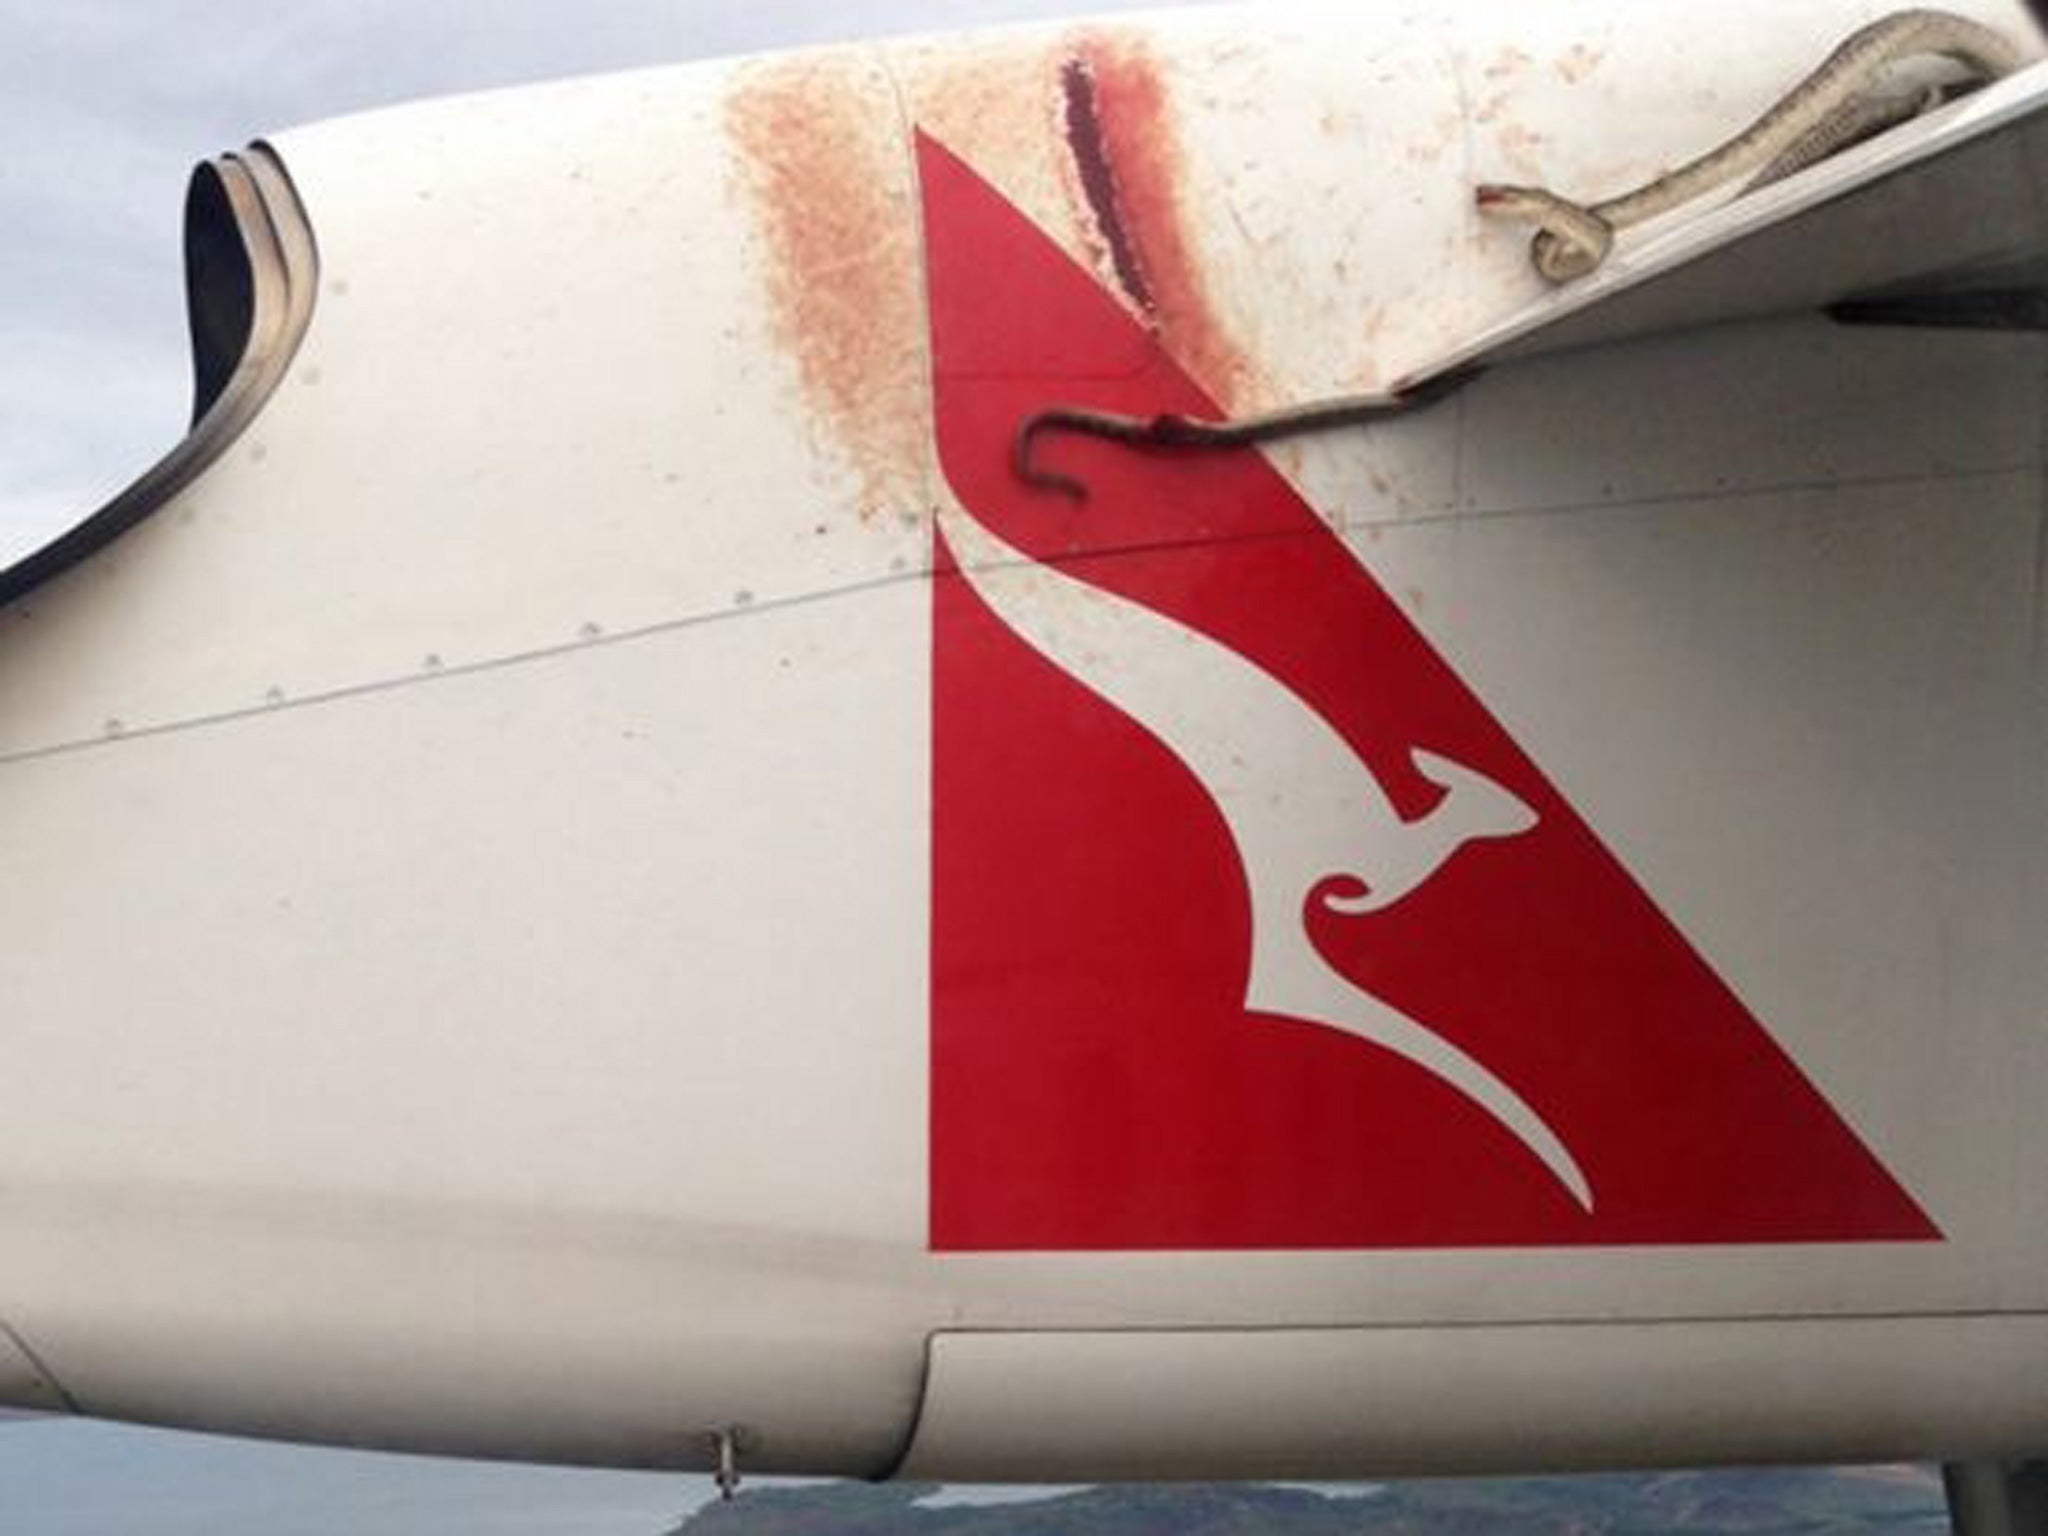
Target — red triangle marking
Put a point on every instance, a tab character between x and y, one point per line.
1096	1080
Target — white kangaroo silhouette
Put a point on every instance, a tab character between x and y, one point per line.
1300	805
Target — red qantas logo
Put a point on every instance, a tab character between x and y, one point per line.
1252	928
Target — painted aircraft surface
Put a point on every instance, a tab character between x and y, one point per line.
701	823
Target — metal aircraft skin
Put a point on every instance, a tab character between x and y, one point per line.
631	855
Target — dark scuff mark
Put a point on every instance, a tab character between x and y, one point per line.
1098	182
1127	179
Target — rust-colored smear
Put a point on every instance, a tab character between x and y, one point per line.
1578	62
1129	184
1083	124
819	156
1522	147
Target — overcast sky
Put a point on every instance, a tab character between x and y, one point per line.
105	105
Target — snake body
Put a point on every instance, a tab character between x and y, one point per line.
1175	431
1828	109
1833	107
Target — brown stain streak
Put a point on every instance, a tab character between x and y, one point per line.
1127	159
819	163
1098	182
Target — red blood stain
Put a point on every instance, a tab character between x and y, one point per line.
1130	176
819	157
1098	182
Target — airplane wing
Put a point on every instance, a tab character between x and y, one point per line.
598	878
1940	221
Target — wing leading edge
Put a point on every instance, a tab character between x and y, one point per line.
1941	221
